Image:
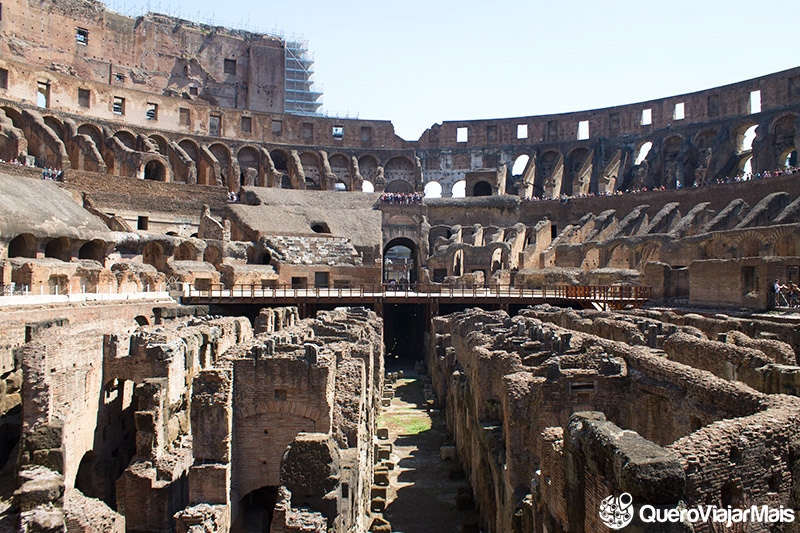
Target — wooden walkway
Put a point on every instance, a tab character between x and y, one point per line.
598	296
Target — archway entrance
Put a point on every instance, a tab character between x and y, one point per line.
400	263
482	188
255	511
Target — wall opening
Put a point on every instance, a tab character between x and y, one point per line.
522	131
367	186
43	94
755	102
22	246
520	163
460	189
647	117
403	334
433	189
643	151
155	170
747	139
462	135
583	130
482	188
255	510
680	111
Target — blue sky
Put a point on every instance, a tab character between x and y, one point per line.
419	62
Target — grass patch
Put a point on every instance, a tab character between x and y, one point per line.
405	424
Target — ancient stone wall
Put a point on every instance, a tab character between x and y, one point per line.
512	388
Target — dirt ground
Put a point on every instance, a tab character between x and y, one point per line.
423	489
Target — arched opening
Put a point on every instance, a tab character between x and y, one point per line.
399	262
788	159
433	189
93	133
190	147
482	188
367	186
460	189
155	170
255	510
644	149
22	246
320	227
786	245
311	170
340	166
248	166
55	125
399	186
340	186
223	155
280	160
286	182
746	166
620	257
520	164
746	139
185	252
399	168
142	320
212	255
58	249
159	143
127	138
368	168
153	254
497	261
94	250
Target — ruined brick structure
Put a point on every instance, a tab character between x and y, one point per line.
172	165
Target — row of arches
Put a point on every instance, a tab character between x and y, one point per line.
63	248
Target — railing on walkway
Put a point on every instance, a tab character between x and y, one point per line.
594	293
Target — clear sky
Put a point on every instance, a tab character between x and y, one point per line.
419	62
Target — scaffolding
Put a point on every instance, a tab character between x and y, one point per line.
300	97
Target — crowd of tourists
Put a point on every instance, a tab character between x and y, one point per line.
401	198
565	198
50	174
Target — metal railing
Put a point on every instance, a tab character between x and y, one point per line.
597	293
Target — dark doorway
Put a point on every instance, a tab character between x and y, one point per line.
482	188
404	328
255	511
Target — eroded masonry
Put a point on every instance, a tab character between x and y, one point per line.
208	291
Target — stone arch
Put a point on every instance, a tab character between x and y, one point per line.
249	166
482	188
671	149
94	133
748	244
59	248
185	252
718	247
213	255
155	170
23	245
520	164
95	250
744	137
311	170
191	148
784	132
340	166
367	186
399	186
127	138
14	115
786	245
620	257
160	144
433	189
223	154
577	182
280	159
642	151
548	181
400	260
591	259
368	167
153	254
459	189
650	252
399	168
56	125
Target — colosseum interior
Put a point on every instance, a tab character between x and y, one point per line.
222	313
